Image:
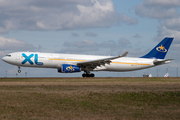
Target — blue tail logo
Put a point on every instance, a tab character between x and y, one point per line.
160	51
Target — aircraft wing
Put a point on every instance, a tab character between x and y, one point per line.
94	63
160	62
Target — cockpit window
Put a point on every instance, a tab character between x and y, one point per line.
8	55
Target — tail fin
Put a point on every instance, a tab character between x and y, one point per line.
159	52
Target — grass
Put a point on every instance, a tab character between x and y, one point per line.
97	98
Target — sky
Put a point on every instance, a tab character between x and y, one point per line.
93	27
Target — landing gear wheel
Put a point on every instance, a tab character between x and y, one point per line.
19	71
91	75
83	75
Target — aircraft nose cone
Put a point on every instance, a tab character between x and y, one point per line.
6	59
9	59
3	58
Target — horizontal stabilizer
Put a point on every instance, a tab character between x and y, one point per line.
160	62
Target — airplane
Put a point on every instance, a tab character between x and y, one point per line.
71	63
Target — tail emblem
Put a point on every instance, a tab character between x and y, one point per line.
161	49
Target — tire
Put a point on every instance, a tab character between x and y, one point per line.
19	71
92	75
83	75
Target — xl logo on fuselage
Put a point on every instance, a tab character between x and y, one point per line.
28	59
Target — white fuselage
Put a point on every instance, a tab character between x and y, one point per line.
53	60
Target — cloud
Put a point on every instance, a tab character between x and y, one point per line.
173	24
91	34
83	43
59	15
165	32
115	45
137	36
165	3
123	42
74	50
167	14
158	9
12	45
79	46
74	34
109	47
128	20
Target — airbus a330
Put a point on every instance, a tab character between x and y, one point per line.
70	63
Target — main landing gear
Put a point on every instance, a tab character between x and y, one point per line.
87	74
19	71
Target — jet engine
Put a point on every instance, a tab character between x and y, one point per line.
68	68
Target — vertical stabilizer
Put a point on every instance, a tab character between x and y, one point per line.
160	51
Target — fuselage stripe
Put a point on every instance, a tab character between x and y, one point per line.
66	60
111	62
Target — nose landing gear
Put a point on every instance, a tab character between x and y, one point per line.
19	71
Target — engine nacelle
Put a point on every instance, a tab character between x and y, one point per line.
67	68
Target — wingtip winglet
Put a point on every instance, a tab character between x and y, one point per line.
124	54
